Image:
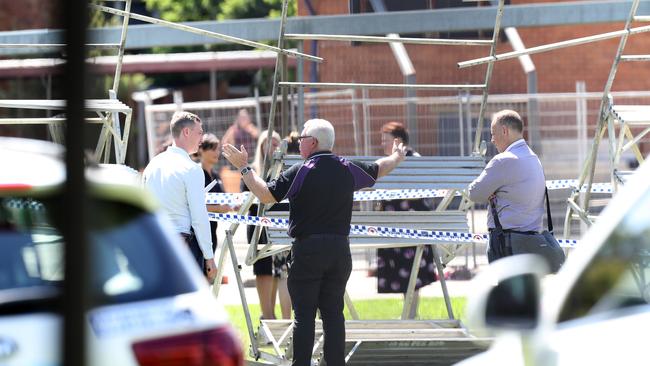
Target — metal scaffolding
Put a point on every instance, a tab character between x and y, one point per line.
107	110
610	116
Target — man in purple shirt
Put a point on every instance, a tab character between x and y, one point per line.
513	180
320	192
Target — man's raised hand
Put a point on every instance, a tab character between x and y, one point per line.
238	159
399	149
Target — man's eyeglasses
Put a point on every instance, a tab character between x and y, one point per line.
300	138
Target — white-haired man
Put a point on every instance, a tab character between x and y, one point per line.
177	182
320	192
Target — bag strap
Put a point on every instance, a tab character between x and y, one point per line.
495	215
548	212
497	223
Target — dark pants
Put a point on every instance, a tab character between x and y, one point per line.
193	244
500	244
496	245
319	271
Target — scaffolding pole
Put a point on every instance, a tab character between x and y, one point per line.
488	77
376	39
383	86
206	33
554	46
605	123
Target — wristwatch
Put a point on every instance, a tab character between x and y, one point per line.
245	170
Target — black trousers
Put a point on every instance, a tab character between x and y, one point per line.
193	245
319	271
499	244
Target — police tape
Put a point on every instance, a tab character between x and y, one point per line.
237	199
382	231
573	184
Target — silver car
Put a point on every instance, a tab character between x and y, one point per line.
153	305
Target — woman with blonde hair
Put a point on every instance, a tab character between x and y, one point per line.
270	272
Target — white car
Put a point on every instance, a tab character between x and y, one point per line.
153	305
595	311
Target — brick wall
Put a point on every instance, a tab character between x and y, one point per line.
29	14
557	71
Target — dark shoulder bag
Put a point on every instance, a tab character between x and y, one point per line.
543	243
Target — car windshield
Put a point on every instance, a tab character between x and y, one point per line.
132	259
619	275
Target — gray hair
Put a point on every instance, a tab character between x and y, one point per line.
323	131
180	120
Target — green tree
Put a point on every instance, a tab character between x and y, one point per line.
194	10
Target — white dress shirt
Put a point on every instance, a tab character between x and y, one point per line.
177	182
516	177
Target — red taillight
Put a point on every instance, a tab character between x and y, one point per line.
14	187
214	347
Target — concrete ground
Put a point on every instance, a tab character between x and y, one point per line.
360	285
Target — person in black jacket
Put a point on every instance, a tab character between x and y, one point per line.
320	193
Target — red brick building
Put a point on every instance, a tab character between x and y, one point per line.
557	70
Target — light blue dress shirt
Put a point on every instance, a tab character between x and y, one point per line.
517	178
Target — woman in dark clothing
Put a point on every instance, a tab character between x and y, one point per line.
208	154
394	264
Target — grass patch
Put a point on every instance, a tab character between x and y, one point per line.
430	308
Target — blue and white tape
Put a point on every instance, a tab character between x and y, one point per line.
390	232
573	183
237	199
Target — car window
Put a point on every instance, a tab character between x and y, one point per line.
132	259
619	275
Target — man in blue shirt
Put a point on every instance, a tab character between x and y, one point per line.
513	180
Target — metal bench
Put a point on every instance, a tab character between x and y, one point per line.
392	341
455	221
451	173
385	342
389	342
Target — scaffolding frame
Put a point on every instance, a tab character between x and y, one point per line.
107	110
280	81
609	117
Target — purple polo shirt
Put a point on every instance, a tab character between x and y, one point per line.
320	192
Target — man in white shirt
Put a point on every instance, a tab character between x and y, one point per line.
177	182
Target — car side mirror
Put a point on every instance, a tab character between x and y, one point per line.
514	303
507	294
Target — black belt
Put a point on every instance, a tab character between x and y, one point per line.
314	236
531	232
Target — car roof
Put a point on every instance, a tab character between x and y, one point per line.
30	165
35	167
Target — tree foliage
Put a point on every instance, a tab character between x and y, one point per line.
195	10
